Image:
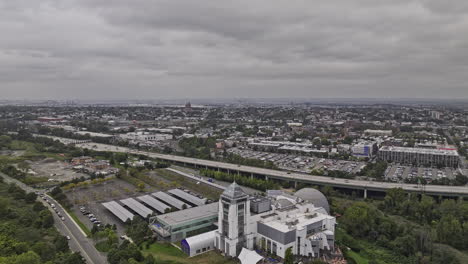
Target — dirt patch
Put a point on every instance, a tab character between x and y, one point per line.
56	170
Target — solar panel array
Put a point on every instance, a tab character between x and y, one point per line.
137	207
187	197
118	210
170	200
157	205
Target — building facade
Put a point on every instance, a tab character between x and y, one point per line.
420	156
290	222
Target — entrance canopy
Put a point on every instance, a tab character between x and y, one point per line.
249	257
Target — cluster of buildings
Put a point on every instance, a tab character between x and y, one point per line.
271	224
92	166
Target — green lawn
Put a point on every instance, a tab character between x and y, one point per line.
167	252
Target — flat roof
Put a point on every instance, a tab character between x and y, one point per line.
420	150
187	197
182	216
170	200
118	210
137	207
155	204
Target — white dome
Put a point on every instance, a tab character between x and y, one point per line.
315	197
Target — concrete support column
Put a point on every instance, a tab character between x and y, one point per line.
365	193
295	185
251	176
266	178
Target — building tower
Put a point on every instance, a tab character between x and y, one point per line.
234	212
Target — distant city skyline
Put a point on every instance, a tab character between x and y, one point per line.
151	50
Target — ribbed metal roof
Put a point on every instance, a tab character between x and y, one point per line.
187	197
137	207
155	204
119	211
170	200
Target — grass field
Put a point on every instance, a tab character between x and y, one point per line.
168	253
203	189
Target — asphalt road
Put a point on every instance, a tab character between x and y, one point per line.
78	240
292	176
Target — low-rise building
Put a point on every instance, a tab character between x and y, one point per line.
420	156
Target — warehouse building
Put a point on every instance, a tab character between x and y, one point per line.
420	156
178	225
198	244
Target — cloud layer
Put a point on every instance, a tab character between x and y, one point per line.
102	49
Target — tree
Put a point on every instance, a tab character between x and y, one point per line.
405	245
27	258
141	186
30	197
359	219
394	198
61	244
288	256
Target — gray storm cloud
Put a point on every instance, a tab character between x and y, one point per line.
138	49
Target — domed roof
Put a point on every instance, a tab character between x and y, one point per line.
315	197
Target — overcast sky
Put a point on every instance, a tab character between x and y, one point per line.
135	49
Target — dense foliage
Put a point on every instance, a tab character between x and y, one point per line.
410	227
375	170
252	182
27	234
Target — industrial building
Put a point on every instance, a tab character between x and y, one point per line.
420	156
181	224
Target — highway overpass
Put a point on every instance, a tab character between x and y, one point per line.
363	186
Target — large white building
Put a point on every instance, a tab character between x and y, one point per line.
286	221
420	156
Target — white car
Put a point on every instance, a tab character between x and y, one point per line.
63	218
68	238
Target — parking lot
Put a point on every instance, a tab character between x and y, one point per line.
399	173
300	163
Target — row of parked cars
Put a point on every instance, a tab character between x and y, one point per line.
91	217
59	214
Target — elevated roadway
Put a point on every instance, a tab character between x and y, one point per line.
436	190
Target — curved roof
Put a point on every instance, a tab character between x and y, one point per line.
314	196
234	191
